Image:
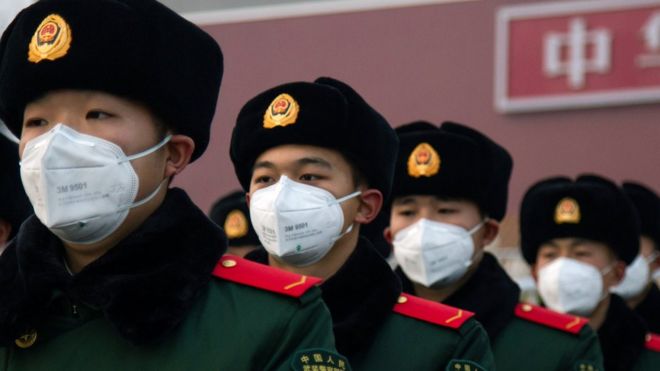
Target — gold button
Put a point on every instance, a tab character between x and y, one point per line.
526	308
402	299
229	263
27	340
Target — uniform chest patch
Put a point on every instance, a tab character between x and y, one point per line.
464	365
319	360
51	40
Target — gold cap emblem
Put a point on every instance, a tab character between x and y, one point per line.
282	111
567	211
51	40
423	161
236	224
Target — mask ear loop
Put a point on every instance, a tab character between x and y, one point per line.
147	151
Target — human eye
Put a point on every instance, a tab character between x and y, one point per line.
98	115
35	122
309	177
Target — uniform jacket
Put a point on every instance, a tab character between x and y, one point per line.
623	337
149	303
364	298
522	336
649	309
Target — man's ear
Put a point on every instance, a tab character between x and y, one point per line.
371	201
180	149
534	272
247	199
619	271
387	234
5	232
491	229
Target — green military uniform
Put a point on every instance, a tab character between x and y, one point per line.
15	206
472	167
378	328
151	301
650	357
374	327
516	329
154	315
596	209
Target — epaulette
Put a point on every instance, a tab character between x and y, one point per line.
549	318
652	342
431	311
235	269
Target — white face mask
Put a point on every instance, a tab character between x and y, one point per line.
570	286
296	222
81	186
434	254
637	276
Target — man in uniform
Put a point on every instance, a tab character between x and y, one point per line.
111	99
637	288
231	213
14	206
450	193
317	162
578	235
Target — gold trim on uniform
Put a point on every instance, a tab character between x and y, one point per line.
236	224
567	211
454	318
302	280
229	263
283	111
51	40
26	340
423	161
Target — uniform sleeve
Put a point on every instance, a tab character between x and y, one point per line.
587	352
473	350
307	340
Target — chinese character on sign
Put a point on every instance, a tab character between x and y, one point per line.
651	35
577	62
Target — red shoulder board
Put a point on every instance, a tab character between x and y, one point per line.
235	269
653	342
547	317
430	311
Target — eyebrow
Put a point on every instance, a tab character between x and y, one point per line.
314	161
263	164
300	162
404	201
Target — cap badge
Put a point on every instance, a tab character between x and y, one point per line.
236	224
423	161
51	40
567	211
282	111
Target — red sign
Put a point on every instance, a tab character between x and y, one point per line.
577	54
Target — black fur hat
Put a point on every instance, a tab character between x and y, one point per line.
326	113
589	207
453	161
647	205
135	49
